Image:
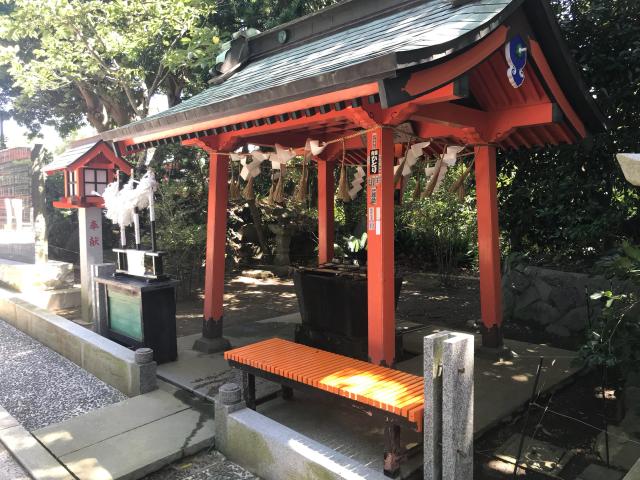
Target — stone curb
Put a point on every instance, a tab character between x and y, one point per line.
112	363
29	452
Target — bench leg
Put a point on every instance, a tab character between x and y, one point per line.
393	451
287	392
249	389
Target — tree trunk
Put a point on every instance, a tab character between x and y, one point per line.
95	108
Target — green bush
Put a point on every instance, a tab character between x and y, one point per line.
436	231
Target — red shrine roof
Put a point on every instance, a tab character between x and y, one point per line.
386	53
79	155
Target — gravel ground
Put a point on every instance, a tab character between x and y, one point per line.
39	387
9	468
206	465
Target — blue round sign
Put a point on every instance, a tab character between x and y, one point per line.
516	54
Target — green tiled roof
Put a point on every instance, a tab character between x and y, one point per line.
418	27
68	157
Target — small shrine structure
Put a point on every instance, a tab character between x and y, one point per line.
87	170
485	75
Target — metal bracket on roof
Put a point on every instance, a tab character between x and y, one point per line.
235	57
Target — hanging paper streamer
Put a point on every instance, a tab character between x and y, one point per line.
147	187
356	183
413	154
451	155
250	170
316	148
279	162
437	173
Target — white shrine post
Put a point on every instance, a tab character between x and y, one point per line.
90	227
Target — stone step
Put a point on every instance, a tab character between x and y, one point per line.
62	299
131	439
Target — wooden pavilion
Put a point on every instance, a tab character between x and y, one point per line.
485	74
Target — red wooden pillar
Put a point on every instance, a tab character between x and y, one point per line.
380	251
326	193
488	246
212	340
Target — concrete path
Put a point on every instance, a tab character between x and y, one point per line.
501	388
133	438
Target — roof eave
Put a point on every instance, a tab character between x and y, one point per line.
359	74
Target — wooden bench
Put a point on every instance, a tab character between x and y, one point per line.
396	395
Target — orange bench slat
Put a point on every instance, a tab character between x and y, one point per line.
391	390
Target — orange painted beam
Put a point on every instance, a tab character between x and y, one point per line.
401	113
443	73
380	249
326	227
452	115
489	126
488	245
550	79
502	123
315	101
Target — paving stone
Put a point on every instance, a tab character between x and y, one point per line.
155	445
33	457
80	432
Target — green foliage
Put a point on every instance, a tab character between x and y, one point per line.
113	56
613	339
571	203
624	263
180	217
438	230
357	248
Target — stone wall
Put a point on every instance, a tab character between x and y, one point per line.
558	301
110	362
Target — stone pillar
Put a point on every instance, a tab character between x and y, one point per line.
432	431
99	297
283	242
229	400
147	369
90	228
448	407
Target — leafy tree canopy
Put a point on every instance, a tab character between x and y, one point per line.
114	55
